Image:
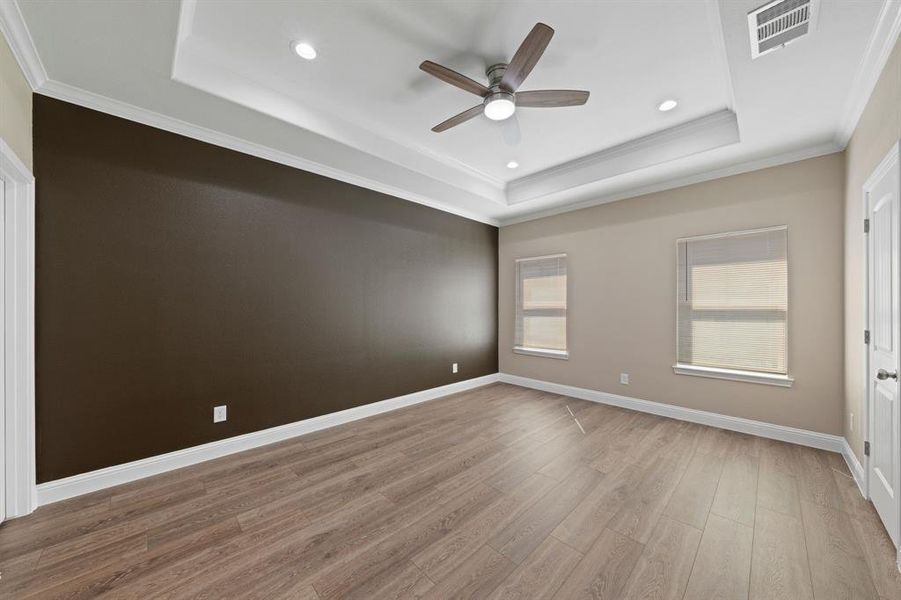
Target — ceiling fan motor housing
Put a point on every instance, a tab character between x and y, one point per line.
499	103
495	73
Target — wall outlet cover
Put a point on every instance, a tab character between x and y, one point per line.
454	368
624	378
220	413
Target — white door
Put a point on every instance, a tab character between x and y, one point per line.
881	194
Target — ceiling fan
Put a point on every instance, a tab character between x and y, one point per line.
499	97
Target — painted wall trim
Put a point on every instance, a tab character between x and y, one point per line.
84	483
855	467
879	47
858	472
803	437
18	434
12	25
734	375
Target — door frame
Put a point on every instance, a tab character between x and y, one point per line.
892	156
18	335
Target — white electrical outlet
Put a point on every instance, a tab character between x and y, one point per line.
454	368
852	421
624	378
220	414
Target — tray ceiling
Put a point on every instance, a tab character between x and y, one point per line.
362	111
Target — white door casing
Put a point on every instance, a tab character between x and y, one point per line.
17	339
881	194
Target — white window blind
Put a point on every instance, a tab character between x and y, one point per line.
541	304
733	301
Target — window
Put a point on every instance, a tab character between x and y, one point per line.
541	306
732	316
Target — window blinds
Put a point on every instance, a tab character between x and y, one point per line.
541	302
733	301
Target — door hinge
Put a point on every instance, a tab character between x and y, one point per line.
866	336
866	226
866	448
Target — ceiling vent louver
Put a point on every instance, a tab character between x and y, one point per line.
778	23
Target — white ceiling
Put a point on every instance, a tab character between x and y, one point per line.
367	72
362	111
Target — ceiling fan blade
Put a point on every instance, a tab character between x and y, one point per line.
464	116
551	98
527	56
452	77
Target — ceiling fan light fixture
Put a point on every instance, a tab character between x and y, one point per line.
304	50
499	106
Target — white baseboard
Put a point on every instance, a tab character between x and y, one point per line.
69	487
803	437
855	467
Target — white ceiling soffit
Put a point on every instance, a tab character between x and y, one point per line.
705	133
361	112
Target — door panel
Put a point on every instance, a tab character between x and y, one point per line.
882	194
881	222
883	439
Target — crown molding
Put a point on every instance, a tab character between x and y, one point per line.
80	97
12	25
879	48
74	95
677	182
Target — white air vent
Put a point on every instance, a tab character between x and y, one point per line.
778	23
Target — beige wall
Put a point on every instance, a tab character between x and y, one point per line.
15	105
622	269
879	127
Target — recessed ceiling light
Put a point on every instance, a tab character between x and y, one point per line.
667	105
304	50
512	164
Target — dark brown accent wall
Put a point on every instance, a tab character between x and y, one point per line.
174	275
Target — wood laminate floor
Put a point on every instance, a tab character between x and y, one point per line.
496	493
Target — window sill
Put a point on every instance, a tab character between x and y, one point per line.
734	375
559	354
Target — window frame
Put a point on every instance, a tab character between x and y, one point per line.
745	376
529	350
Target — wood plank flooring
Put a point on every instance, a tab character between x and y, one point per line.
494	493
